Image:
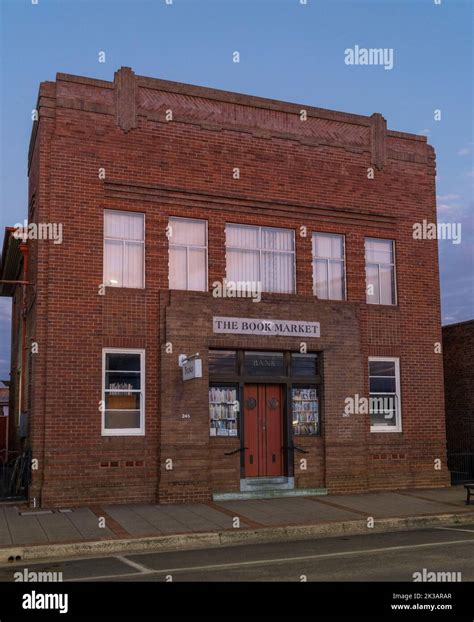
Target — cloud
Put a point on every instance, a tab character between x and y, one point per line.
463	152
448	197
425	132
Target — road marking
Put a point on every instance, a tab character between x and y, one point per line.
455	529
266	562
140	567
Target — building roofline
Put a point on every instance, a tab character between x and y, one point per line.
239	98
458	324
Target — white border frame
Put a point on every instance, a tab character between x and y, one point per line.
125	431
123	211
187	247
398	427
260	250
383	304
343	260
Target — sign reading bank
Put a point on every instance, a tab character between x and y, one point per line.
253	326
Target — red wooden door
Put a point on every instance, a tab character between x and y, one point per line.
263	425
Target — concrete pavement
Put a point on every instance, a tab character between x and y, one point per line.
30	534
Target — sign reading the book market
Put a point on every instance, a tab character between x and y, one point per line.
252	326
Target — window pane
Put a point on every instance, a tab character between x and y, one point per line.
188	232
122	361
277	239
124	225
117	419
372	284
382	368
242	265
264	363
224	408
133	264
241	236
383	410
113	260
387	286
378	251
222	362
305	411
197	270
122	380
382	385
329	246
321	279
304	364
336	280
278	272
177	268
122	401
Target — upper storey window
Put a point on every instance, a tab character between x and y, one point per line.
188	254
380	271
124	254
328	266
263	255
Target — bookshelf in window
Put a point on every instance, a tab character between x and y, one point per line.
223	411
305	411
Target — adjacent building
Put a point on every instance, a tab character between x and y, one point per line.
458	355
221	295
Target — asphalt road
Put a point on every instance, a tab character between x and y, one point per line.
377	557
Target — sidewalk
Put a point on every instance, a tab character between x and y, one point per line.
37	534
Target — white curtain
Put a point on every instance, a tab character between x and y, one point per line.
261	254
328	266
188	254
124	249
380	270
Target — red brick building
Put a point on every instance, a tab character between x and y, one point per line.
163	191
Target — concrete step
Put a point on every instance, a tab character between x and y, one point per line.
268	494
263	481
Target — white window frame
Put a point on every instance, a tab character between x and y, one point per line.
121	211
398	399
188	247
378	264
261	250
125	431
329	259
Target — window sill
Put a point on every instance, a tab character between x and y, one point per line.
128	432
385	431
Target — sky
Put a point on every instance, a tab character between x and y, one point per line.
289	50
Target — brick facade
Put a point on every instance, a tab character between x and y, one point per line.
293	173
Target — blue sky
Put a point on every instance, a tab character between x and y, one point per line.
288	51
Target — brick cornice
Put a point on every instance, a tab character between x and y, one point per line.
130	191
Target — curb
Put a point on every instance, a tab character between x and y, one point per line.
228	537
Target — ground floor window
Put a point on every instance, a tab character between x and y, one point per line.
224	410
123	411
384	388
305	410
